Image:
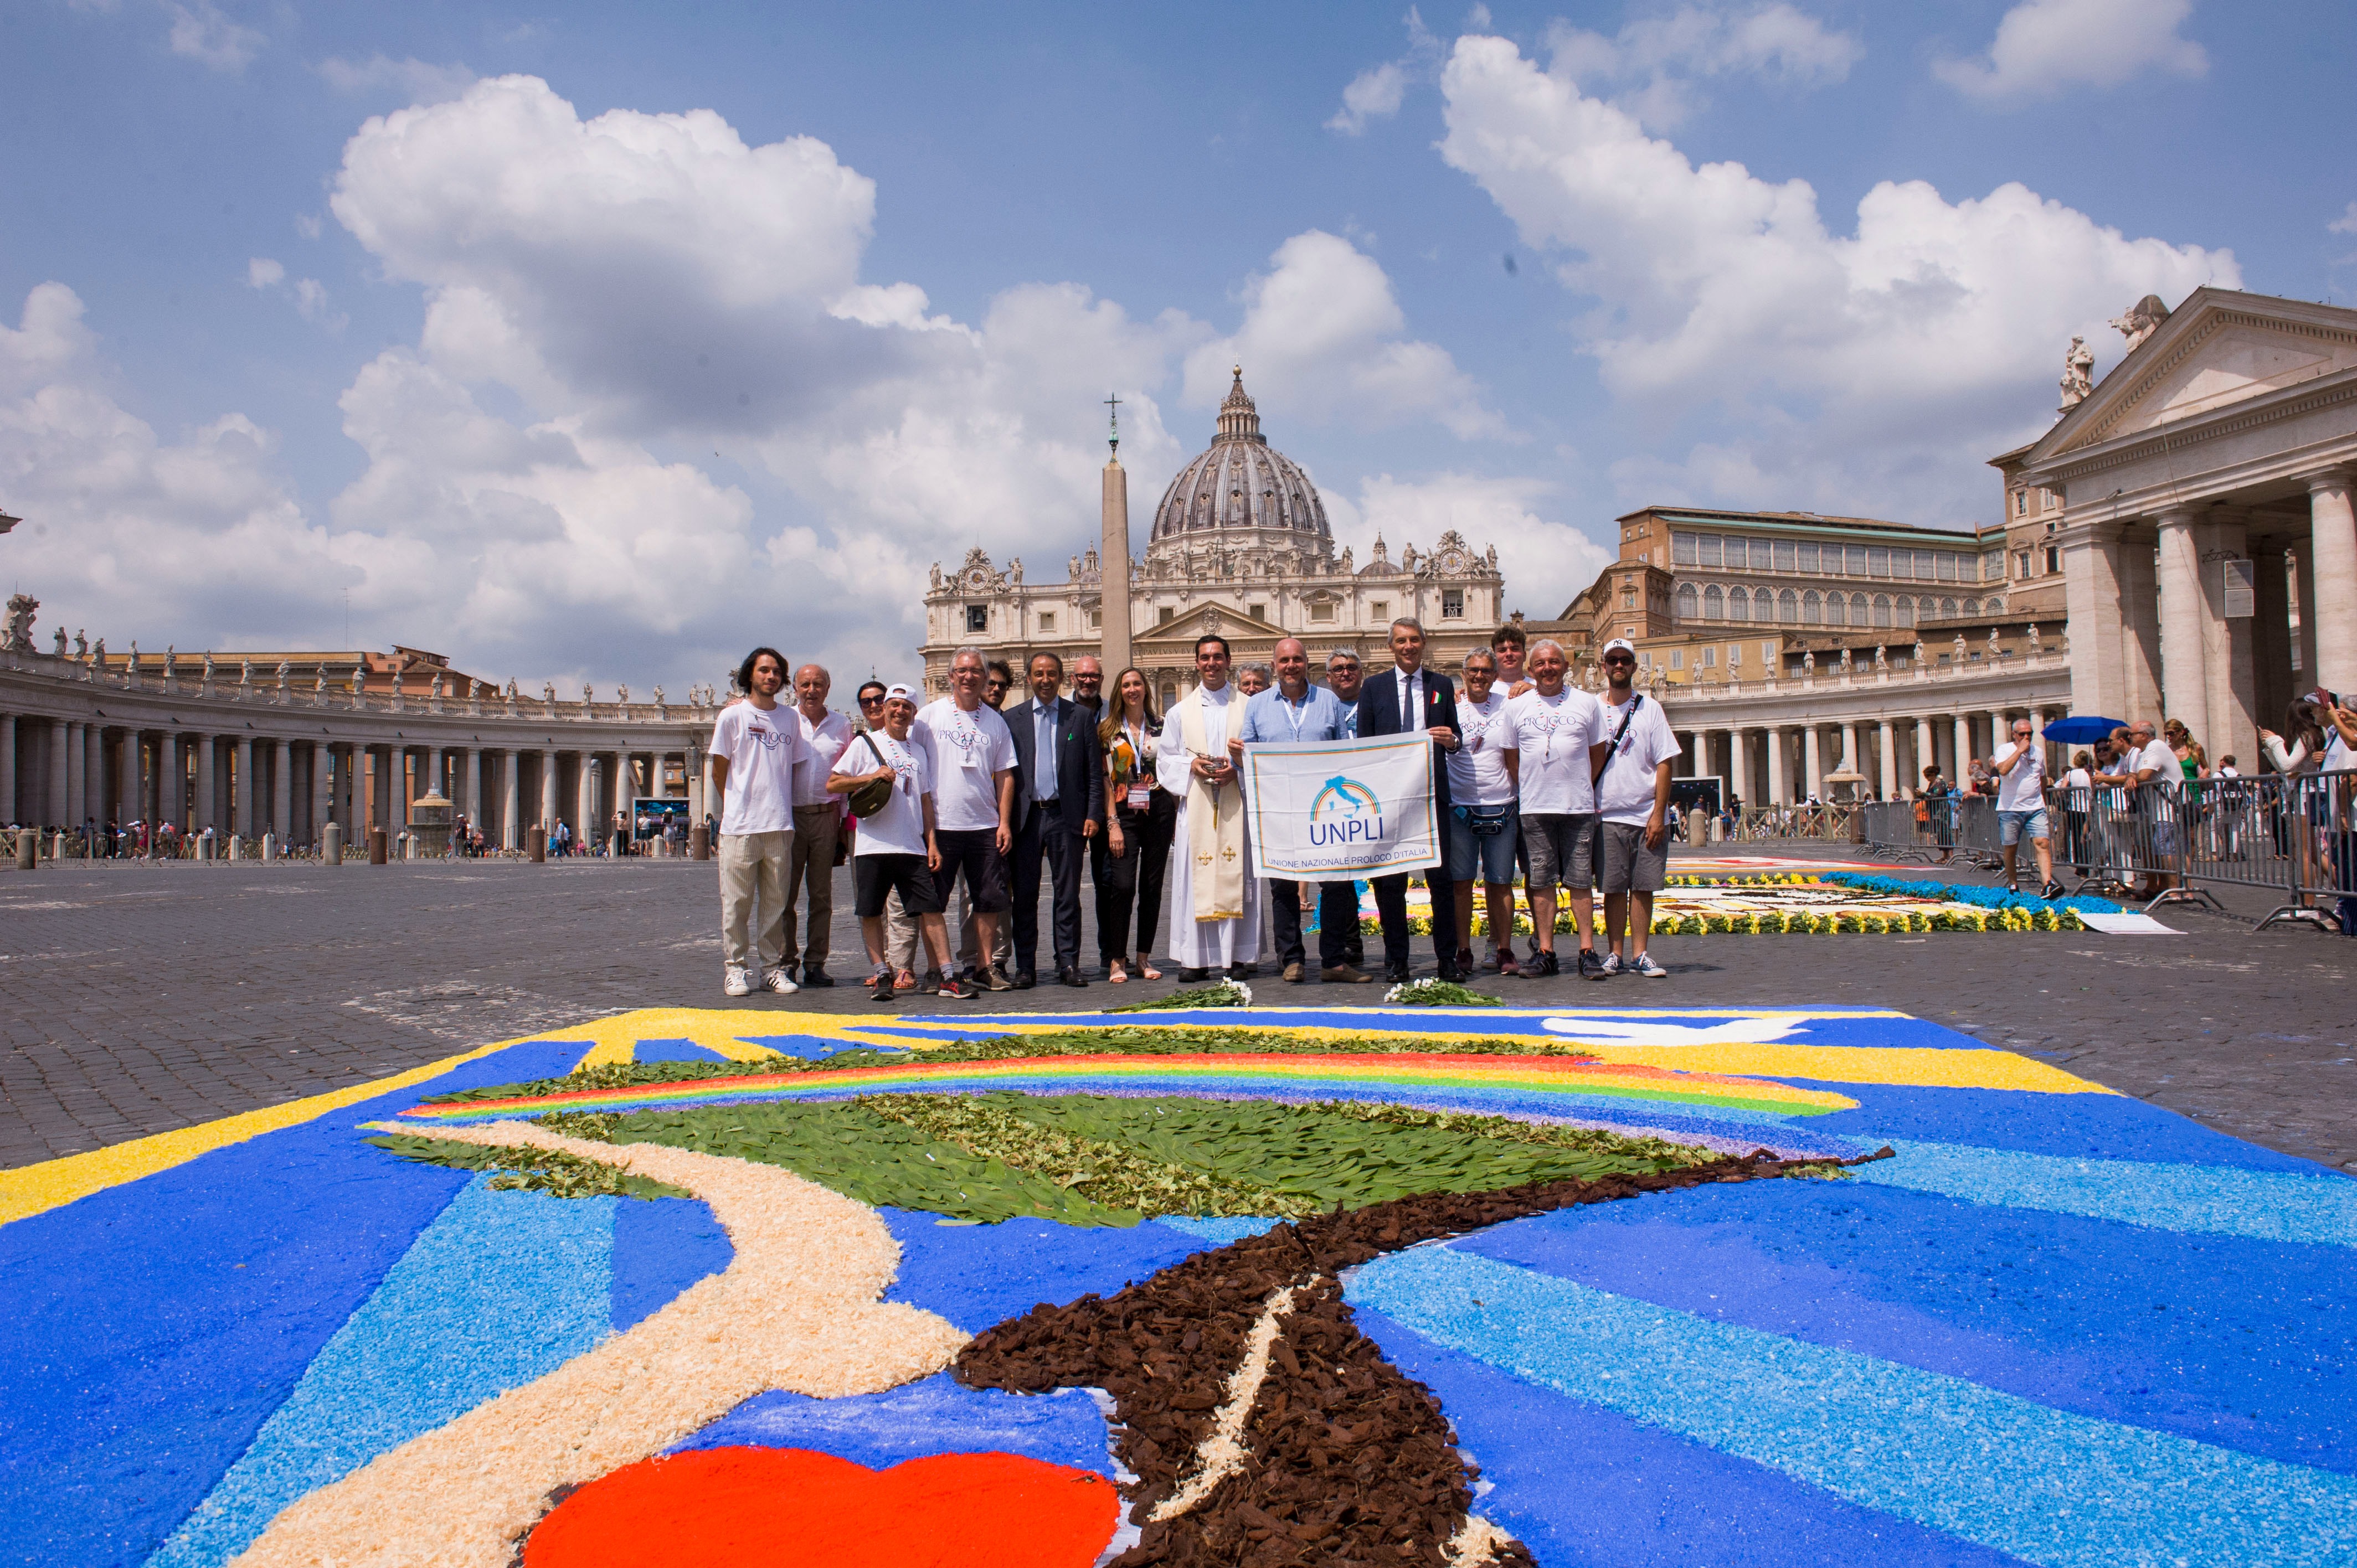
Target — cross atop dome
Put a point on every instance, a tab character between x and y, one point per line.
1239	417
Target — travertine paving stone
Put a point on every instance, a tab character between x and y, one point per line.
139	999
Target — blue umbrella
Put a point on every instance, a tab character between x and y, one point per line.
2081	729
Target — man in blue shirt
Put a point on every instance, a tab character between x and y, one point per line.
1294	709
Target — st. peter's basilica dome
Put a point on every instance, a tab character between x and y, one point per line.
1243	483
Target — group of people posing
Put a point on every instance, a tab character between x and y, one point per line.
957	805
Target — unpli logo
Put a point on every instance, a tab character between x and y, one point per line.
1345	812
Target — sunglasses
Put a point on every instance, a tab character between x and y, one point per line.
1621	659
869	702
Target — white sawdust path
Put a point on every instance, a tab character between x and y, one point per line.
797	1309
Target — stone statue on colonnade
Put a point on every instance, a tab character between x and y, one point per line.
19	633
2140	320
2078	374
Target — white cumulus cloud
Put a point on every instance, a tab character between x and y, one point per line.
263	273
1545	559
419	82
2045	46
1655	60
1323	335
204	32
1931	329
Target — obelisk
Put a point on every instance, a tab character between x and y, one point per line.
1113	559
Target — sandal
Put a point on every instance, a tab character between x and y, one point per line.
1118	976
904	981
1145	969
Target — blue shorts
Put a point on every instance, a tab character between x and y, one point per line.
1478	856
2011	825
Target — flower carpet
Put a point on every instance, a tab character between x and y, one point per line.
1239	1285
1786	902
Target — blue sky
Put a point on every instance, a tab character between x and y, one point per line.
599	342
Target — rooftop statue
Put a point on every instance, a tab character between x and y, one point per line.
2078	373
2140	320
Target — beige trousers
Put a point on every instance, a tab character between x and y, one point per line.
812	862
753	873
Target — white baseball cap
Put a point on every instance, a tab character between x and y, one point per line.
901	689
1620	643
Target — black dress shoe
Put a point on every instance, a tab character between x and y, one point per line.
817	977
1192	976
1071	976
1396	974
1025	980
1243	970
1448	971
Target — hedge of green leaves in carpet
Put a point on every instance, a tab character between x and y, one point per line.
1223	993
1133	1039
1104	1160
530	1170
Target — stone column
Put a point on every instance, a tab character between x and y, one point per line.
695	796
387	760
2184	635
8	772
93	776
2091	574
1963	752
1849	749
1888	746
2139	624
548	790
58	810
2228	668
470	773
282	790
584	799
1812	772
323	790
2304	570
434	771
207	815
2333	549
242	788
130	796
171	780
1926	752
1780	772
510	765
1742	759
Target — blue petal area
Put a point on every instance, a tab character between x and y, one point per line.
152	1328
935	1416
2106	1126
1578	1483
661	1247
1219	1232
2268	1206
674	1051
2003	1471
502	1288
976	1276
2248	1345
808	1047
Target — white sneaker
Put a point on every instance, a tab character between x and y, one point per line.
737	983
1645	966
778	980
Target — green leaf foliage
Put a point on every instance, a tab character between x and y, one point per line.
530	1170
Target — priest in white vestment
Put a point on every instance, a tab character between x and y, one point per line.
1214	914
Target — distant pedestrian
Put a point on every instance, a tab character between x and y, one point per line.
2020	771
754	745
2076	796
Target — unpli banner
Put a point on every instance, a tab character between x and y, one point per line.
1331	811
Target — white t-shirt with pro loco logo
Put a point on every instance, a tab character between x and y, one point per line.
1554	736
900	827
760	748
969	750
1477	768
1625	794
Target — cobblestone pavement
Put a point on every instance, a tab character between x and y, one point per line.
141	999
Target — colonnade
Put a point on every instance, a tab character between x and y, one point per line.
1787	764
69	773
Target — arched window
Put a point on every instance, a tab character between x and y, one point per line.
1788	608
1714	604
1947	609
1882	609
1906	609
1993	606
1858	609
1811	608
1685	601
1739	605
1972	607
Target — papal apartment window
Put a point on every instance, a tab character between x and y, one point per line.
1714	604
1710	550
1452	603
1046	621
1687	603
1169	613
1321	612
1682	549
2053	560
977	617
1809	558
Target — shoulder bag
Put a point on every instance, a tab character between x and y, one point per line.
876	793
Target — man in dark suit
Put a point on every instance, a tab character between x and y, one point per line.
1060	805
1403	700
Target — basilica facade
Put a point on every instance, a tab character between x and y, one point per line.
1240	546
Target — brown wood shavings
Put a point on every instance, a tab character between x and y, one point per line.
1348	1461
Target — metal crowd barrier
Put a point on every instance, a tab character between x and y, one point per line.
1819	824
